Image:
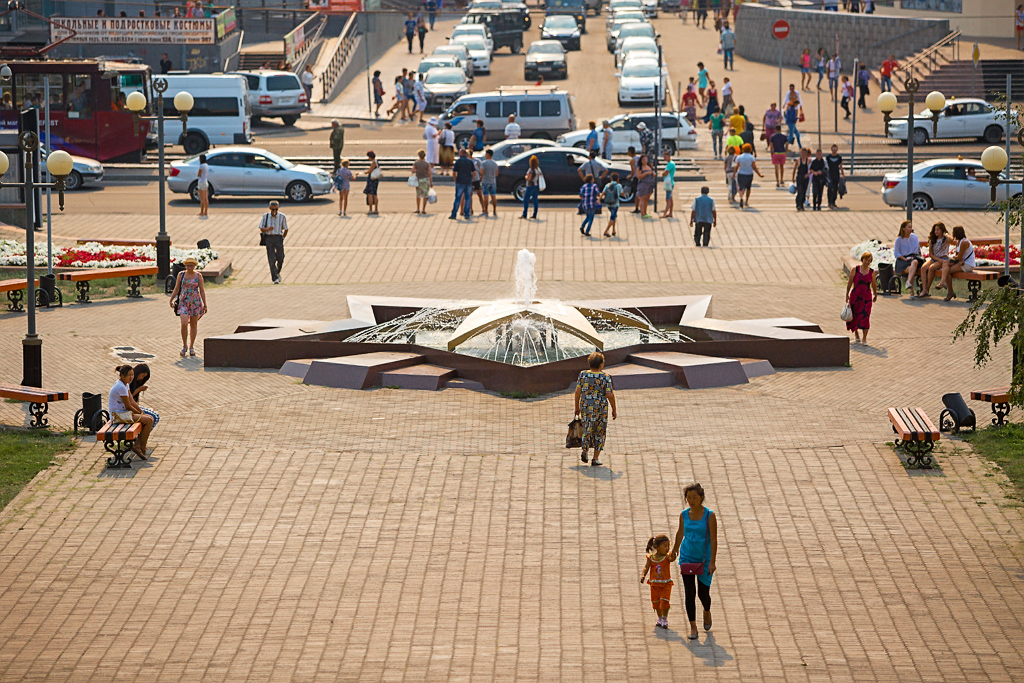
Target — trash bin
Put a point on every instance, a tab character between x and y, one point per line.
886	277
92	416
173	277
203	244
47	283
957	415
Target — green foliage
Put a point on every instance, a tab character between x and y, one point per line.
25	454
1005	447
997	315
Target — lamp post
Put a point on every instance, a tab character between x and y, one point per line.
59	164
887	104
995	160
136	103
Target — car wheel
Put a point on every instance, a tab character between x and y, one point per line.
298	191
626	193
462	140
519	190
289	120
668	146
540	135
580	145
920	136
194	144
993	134
922	202
193	191
73	181
256	119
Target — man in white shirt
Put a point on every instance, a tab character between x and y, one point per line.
512	130
833	67
273	229
307	84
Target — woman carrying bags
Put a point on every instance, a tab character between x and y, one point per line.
696	546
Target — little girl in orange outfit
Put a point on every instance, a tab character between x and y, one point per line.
658	563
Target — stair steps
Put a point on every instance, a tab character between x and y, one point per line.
692	371
633	376
424	377
359	371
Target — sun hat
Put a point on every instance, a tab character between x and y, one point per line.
641	126
433	120
190	259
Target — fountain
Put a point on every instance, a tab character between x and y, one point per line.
525	343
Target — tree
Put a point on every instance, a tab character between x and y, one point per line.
998	315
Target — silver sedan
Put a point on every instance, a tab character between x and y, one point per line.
249	171
945	184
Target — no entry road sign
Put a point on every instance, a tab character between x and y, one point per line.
780	29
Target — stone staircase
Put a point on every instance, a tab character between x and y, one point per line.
961	79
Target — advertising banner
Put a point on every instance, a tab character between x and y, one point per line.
128	30
344	6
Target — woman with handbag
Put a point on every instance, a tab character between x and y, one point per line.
372	182
593	394
189	301
534	178
861	292
696	546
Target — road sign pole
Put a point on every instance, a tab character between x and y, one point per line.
780	74
780	31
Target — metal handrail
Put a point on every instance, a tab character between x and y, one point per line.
342	51
307	48
306	42
930	52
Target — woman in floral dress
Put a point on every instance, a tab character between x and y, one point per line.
190	298
861	292
593	394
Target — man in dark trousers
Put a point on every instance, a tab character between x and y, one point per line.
337	143
463	172
836	175
165	64
274	228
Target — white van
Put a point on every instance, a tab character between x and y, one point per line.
220	115
541	112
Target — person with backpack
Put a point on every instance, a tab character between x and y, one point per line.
610	198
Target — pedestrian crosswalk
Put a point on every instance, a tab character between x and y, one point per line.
764	196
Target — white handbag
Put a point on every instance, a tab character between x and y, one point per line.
413	181
541	184
376	173
847	314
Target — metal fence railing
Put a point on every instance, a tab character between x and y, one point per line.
340	58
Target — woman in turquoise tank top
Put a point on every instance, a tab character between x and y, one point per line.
697	541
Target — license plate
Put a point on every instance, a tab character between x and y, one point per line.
544	68
286	100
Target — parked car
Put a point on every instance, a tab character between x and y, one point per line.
563	28
541	112
506	149
616	5
676	132
960	118
472	29
636	29
638	47
545	58
444	85
461	52
82	170
650	8
577	9
220	112
946	184
443	61
506	26
478	52
560	166
624	13
611	39
275	94
638	80
670	5
249	171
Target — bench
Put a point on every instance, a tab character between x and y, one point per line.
81	278
38	400
917	435
15	293
974	280
120	243
986	241
1000	400
118	439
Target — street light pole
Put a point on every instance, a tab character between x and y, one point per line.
887	104
995	159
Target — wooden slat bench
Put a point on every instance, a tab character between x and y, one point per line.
917	435
974	280
81	278
118	439
1000	400
38	400
986	241
15	293
120	243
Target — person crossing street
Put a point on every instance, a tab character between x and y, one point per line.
274	228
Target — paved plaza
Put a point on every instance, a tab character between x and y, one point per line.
283	532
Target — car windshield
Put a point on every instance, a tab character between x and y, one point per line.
640	70
636	29
619	23
546	48
472	42
623	4
486	4
562	21
275	83
467	30
565	4
283	163
630	14
450	50
445	77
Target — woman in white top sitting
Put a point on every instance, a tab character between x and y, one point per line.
907	250
124	410
938	254
963	262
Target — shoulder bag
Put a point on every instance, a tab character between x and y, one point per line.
541	184
697	568
846	315
263	235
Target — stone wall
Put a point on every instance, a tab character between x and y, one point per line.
869	38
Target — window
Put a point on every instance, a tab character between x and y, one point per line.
275	83
226	160
550	108
260	161
934	5
668	122
254	82
204	106
974	108
492	110
529	108
29	92
79	100
621	124
945	173
462	109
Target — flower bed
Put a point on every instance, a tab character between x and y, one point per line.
983	256
95	255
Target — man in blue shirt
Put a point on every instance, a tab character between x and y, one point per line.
705	216
410	30
478	136
728	39
463	171
432	12
592	137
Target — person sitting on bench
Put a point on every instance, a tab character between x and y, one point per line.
907	249
963	262
138	385
938	254
124	410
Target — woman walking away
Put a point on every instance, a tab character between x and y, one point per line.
124	410
938	254
861	292
962	262
138	386
589	203
645	186
659	565
424	181
372	182
610	198
203	186
907	249
593	394
696	547
801	177
421	31
189	301
343	183
533	177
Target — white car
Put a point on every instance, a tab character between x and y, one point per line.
636	47
616	5
676	132
946	184
249	171
626	13
611	40
475	30
634	29
478	52
650	9
438	61
960	118
461	53
82	170
638	79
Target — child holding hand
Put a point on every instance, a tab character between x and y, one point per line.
658	564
